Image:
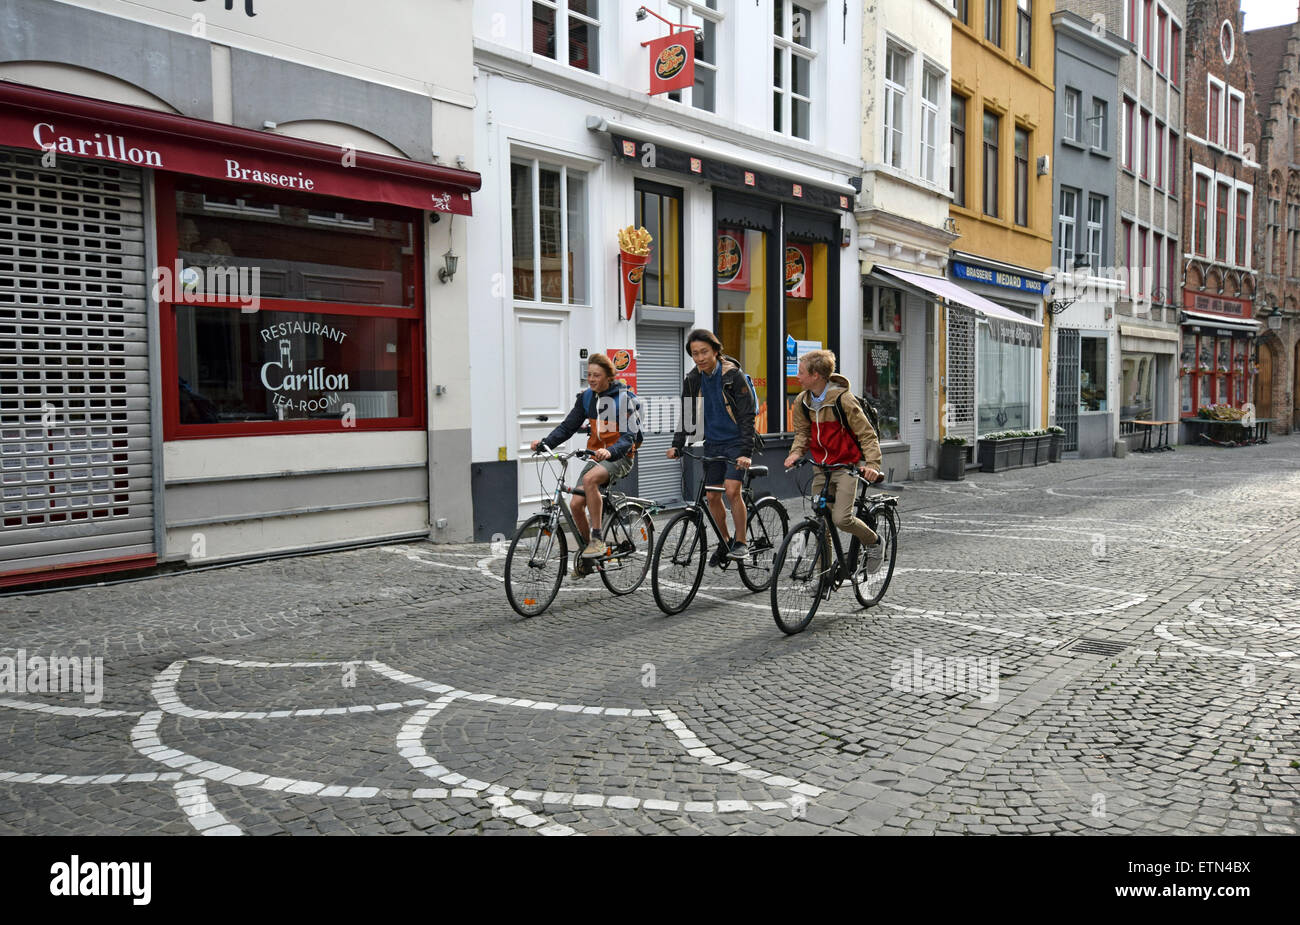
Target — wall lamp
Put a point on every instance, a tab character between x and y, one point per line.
449	259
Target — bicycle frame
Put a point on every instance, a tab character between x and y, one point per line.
701	509
822	511
556	503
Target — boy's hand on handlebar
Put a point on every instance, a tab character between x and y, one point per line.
871	475
600	455
673	452
792	460
743	462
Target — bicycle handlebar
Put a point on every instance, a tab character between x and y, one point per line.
831	466
682	451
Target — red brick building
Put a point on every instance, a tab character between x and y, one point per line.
1275	55
1220	177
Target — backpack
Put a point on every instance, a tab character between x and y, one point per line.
749	381
873	416
589	410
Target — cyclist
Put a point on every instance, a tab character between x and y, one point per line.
717	387
830	425
613	414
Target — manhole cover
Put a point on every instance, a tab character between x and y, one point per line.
1094	647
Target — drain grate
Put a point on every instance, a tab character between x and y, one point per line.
1093	647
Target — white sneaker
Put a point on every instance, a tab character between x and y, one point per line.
874	556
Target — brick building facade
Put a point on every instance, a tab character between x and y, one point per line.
1219	178
1275	56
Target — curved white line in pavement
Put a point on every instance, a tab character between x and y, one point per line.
57	710
192	798
34	777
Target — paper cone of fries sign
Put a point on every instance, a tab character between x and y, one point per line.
634	254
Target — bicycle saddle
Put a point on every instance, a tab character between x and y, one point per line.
757	472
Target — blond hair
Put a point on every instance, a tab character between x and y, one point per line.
604	362
819	362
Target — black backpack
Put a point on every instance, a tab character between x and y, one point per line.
869	409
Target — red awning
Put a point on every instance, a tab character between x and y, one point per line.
76	126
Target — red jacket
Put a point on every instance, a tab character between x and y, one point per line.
820	434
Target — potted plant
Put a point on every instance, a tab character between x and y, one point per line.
999	451
1057	437
1042	447
952	458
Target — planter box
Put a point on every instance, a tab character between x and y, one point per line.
997	455
1043	450
1058	441
952	462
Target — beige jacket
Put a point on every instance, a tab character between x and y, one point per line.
820	433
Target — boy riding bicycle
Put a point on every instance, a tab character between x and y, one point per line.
614	414
830	425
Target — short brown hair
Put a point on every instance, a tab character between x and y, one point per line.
819	362
604	362
703	334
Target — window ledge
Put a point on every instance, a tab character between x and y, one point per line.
1101	152
1071	143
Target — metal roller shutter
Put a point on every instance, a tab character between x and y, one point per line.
76	460
659	370
961	373
914	397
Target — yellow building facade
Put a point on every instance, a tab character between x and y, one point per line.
996	376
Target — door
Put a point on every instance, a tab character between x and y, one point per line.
76	450
912	423
1264	383
546	384
660	361
1067	386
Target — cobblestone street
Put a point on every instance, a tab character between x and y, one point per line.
393	690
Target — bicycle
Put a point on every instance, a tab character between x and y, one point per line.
675	580
628	530
803	571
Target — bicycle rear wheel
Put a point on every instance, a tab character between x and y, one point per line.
870	580
629	533
767	524
535	565
678	565
799	573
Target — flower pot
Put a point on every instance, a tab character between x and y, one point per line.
952	461
1044	455
999	455
1057	442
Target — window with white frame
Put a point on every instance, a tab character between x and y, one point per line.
548	213
1096	230
792	65
705	15
1066	224
931	83
1070	126
1214	111
898	63
568	31
1242	229
1236	109
1097	124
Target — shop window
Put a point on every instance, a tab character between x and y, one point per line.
549	232
659	211
1092	373
882	355
1005	383
1137	386
807	321
284	313
741	281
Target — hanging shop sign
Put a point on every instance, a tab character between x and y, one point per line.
624	360
732	269
798	271
672	62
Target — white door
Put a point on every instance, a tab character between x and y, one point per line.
546	384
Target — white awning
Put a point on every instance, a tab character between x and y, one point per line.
1005	325
947	289
1217	321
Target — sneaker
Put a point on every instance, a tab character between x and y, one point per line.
738	551
719	557
875	556
596	549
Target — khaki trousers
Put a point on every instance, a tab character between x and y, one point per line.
841	496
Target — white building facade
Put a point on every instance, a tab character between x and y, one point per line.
747	180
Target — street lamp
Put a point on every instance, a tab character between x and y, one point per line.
1078	276
1275	319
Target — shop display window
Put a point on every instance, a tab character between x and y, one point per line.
806	318
740	276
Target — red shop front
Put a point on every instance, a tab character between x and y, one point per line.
288	278
1216	360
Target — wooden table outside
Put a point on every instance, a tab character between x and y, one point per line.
1148	427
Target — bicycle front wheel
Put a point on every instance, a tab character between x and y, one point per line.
767	525
799	574
535	565
872	575
629	533
678	564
